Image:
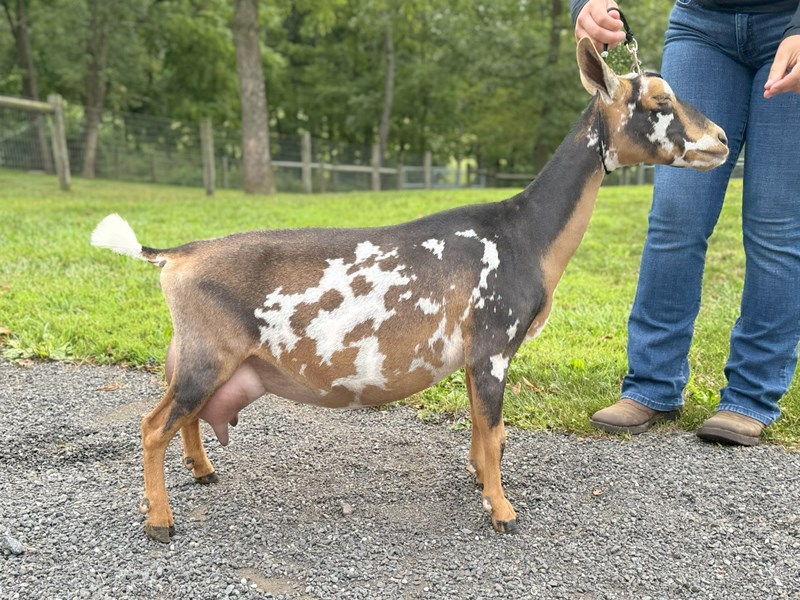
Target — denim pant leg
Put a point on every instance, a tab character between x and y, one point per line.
763	353
686	206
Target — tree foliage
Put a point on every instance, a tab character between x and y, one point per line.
495	81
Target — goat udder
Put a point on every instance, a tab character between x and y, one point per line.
224	406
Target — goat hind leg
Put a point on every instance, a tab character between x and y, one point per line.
156	436
192	382
194	454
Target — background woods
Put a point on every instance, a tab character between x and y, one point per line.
490	82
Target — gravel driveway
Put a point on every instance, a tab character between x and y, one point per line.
317	504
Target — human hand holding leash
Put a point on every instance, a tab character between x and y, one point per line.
599	25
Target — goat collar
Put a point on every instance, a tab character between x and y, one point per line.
601	140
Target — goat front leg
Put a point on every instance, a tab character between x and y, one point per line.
475	459
485	390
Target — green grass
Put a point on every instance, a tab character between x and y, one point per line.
62	299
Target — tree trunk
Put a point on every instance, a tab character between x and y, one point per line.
30	83
542	147
258	177
95	81
388	96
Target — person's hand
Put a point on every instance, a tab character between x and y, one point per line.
599	25
784	75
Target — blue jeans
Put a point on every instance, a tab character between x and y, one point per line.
719	62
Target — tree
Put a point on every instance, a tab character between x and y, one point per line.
18	22
258	178
388	90
95	80
457	77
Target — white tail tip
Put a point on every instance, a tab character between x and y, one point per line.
114	232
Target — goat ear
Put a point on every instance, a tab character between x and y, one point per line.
596	75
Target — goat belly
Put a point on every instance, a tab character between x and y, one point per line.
366	379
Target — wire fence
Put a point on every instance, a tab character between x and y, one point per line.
141	148
133	147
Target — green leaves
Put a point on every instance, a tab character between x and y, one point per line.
493	81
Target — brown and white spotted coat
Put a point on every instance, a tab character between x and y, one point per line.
360	317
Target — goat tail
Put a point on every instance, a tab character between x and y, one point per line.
114	233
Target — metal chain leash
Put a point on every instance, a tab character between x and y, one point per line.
630	43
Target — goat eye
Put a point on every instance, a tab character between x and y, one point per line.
662	100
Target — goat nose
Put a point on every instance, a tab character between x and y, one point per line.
722	137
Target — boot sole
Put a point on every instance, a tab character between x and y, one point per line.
725	436
670	415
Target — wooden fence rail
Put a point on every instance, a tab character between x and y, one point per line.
54	109
306	166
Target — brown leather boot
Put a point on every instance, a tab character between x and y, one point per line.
726	427
628	416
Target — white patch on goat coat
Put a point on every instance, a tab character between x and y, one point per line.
499	366
367	250
435	246
428	306
369	368
659	134
704	143
329	328
592	139
490	260
512	330
611	159
451	355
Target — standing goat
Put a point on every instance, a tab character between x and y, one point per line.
362	317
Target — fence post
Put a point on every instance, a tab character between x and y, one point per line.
401	177
640	174
428	169
207	152
376	167
60	154
305	157
225	172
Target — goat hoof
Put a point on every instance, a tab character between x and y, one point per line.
206	479
505	526
159	533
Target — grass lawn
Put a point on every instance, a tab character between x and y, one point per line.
62	299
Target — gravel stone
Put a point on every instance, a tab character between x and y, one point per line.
662	515
10	545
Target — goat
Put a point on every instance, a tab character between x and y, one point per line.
362	317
